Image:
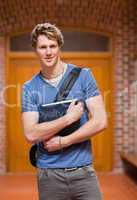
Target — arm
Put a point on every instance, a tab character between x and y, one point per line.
35	131
97	123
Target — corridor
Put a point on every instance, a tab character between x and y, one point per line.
23	187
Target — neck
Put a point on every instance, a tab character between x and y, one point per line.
53	72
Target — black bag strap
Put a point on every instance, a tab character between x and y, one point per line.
67	84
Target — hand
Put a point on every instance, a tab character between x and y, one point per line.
75	111
53	144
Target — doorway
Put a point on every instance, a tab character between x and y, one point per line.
21	67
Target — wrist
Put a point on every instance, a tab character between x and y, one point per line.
68	119
65	142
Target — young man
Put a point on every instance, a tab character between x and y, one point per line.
69	174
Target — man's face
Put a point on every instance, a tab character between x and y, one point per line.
48	51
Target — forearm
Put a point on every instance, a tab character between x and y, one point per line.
86	131
97	123
35	131
45	130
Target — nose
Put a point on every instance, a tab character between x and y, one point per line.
48	51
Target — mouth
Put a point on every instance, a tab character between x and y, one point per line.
48	59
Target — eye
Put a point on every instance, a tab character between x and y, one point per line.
53	46
43	47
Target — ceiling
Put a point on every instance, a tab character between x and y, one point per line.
16	15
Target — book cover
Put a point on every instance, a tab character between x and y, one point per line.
55	110
52	111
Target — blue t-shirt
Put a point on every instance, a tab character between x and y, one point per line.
37	91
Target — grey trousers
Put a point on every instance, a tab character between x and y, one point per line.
60	184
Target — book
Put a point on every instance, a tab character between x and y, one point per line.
59	102
55	110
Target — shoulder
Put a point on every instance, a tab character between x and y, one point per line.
32	83
84	70
85	74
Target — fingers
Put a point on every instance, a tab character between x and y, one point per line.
52	144
78	104
79	107
72	104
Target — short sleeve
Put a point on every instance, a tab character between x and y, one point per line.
28	100
89	84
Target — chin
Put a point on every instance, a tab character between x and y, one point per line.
52	64
45	64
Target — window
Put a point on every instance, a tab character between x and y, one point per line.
74	41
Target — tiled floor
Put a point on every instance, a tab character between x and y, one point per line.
118	187
23	187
